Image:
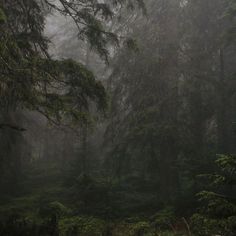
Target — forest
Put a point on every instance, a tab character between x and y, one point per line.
117	117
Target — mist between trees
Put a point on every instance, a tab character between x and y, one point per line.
117	117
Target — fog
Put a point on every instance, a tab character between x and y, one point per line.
117	118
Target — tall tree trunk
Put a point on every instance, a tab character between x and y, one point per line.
223	107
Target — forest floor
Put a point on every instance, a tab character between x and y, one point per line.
44	185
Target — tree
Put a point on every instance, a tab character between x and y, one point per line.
143	127
218	211
61	90
166	128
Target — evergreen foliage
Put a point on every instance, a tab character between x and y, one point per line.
217	214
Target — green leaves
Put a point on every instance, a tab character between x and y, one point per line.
92	20
227	163
217	209
59	89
